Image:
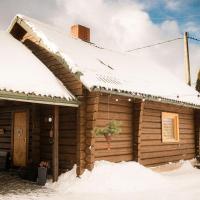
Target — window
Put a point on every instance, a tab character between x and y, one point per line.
170	127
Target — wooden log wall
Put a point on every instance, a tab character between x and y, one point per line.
6	125
81	126
67	136
152	150
86	137
140	139
91	118
122	144
197	133
6	113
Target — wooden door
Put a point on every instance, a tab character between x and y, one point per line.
20	138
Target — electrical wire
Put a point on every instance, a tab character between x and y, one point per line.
193	38
155	44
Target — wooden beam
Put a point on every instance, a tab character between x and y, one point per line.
187	59
138	109
55	152
35	133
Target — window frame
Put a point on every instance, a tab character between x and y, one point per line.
176	132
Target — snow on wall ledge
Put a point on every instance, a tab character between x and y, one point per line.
22	72
112	70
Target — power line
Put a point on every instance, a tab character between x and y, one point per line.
155	44
193	38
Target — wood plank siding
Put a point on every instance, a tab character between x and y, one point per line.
122	144
152	150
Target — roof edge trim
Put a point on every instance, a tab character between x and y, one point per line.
31	98
148	97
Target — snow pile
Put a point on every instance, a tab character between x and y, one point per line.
107	177
117	181
103	68
21	71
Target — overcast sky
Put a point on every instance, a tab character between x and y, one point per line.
123	24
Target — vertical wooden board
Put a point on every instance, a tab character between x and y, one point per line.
197	133
20	139
55	151
138	121
35	127
92	102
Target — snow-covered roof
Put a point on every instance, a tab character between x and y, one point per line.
108	70
24	77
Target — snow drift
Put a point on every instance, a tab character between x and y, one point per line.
117	181
110	177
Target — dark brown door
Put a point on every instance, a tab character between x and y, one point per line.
20	135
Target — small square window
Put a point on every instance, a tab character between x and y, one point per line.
170	127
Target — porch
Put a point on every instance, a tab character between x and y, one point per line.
32	133
11	183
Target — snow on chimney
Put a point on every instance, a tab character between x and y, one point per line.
81	32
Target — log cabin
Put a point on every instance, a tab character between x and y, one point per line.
159	113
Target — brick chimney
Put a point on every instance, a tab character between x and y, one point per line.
81	32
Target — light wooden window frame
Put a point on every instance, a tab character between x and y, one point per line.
176	133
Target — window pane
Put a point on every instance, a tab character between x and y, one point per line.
168	128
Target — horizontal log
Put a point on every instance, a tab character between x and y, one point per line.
115	116
113	152
102	123
115	138
156	161
117	158
159	142
4	140
114	145
180	152
166	147
159	136
114	109
167	107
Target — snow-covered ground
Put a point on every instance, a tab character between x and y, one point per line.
125	180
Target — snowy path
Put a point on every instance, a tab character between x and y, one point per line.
126	181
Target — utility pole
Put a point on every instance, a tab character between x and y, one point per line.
187	59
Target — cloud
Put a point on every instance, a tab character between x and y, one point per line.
125	25
173	4
115	24
37	9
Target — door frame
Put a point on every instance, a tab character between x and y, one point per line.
27	111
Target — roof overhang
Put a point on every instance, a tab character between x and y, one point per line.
32	98
20	21
146	97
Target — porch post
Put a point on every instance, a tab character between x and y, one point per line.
55	154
